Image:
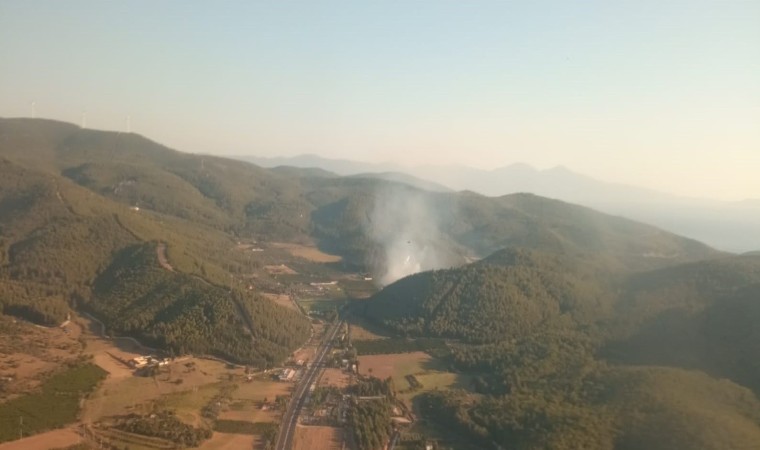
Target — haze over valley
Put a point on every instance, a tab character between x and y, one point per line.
524	298
388	225
727	225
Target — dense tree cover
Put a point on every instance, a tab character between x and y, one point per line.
615	408
370	422
165	425
565	353
56	404
135	296
555	331
490	302
65	247
373	386
370	419
336	211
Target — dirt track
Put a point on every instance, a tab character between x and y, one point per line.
161	253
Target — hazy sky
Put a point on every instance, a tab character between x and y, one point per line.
663	94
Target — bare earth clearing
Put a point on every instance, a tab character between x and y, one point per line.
309	253
280	269
318	438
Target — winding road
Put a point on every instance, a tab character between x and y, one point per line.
290	419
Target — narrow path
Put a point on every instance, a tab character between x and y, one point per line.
161	253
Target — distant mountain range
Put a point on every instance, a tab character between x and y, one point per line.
731	226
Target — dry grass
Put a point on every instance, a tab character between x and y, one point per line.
225	441
258	390
318	438
362	331
28	352
335	377
280	299
307	252
64	437
428	371
396	365
122	392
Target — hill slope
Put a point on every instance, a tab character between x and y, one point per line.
64	246
571	353
354	217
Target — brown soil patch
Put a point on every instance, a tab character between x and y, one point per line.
280	299
317	438
306	252
64	437
280	269
335	377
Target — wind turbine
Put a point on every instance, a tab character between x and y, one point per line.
129	124
84	119
34	109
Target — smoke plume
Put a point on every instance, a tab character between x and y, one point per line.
404	224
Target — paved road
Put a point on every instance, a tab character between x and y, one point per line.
290	419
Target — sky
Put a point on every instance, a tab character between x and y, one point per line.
661	94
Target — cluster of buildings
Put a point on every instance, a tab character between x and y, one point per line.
140	362
287	374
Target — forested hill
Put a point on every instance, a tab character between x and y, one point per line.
68	200
572	354
340	214
66	247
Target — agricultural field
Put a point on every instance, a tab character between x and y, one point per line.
56	403
227	441
361	330
124	394
64	437
251	412
318	438
320	305
412	373
29	352
335	377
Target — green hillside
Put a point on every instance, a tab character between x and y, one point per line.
578	329
184	313
64	246
570	355
336	212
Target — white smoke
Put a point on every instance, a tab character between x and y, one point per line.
405	226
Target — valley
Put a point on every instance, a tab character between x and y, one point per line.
161	299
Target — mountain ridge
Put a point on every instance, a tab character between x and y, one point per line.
692	217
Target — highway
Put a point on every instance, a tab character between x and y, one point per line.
301	391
